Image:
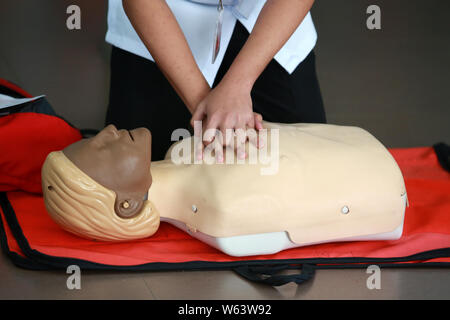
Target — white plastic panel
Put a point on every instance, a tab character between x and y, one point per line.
273	242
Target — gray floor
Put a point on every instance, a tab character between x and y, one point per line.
327	284
392	82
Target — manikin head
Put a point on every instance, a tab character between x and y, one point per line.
97	187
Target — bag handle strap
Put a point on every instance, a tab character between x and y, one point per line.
267	274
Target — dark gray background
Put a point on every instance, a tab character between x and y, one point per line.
393	82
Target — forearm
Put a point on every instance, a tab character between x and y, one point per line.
277	21
159	31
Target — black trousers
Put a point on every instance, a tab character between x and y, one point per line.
140	95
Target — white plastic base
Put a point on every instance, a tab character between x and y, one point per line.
273	242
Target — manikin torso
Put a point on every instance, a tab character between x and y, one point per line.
326	183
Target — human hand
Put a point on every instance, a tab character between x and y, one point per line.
226	109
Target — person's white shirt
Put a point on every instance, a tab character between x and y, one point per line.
197	19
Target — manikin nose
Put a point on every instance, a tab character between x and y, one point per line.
112	129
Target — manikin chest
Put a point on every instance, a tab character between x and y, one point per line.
322	183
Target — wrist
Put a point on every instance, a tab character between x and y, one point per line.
196	96
237	83
239	77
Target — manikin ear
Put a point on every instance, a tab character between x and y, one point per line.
128	206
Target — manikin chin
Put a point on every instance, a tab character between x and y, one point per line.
332	183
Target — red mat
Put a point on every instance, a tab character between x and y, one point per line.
427	228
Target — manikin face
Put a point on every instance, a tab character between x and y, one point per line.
118	160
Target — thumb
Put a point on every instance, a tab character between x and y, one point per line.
198	114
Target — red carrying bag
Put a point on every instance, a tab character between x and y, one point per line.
32	240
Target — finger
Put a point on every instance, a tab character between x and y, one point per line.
210	129
258	120
219	153
251	122
219	144
227	132
241	138
228	153
199	114
240	128
198	130
252	134
199	150
258	126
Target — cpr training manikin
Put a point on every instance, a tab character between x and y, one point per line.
309	183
